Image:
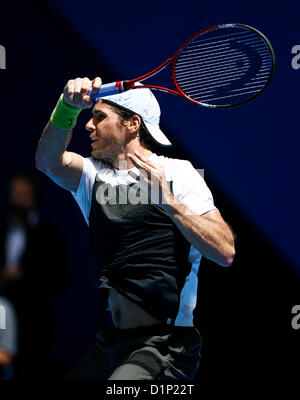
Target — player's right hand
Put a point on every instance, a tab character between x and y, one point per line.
75	91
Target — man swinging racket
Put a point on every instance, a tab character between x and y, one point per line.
147	251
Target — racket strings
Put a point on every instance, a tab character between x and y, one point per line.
229	36
227	72
218	66
223	52
190	62
208	90
208	46
216	78
202	71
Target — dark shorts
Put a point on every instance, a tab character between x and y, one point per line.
158	351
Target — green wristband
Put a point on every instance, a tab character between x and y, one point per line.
64	116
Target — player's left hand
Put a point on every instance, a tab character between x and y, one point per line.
154	176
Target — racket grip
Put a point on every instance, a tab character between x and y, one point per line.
107	90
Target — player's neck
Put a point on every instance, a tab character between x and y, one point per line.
122	162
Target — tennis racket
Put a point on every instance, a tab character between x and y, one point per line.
222	66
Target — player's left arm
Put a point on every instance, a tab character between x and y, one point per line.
208	232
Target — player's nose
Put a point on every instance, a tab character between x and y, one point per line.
90	126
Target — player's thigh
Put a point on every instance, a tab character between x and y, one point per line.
143	364
94	366
184	354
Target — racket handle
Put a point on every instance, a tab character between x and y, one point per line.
107	90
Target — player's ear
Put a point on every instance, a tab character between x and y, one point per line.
134	123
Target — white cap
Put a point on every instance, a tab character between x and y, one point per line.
142	102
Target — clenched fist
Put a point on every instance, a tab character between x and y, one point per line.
75	91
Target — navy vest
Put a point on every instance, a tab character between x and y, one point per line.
138	249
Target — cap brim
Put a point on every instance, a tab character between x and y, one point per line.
157	134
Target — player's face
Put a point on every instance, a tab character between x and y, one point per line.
107	132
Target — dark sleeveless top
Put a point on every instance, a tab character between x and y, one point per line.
138	249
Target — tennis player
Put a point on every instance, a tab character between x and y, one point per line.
151	219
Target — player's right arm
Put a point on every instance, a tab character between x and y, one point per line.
52	157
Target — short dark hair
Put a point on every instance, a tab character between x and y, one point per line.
146	139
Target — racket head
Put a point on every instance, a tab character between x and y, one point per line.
224	66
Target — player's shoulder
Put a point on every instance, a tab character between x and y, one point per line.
93	168
173	166
91	162
169	161
91	165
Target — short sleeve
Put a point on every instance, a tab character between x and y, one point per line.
190	188
83	195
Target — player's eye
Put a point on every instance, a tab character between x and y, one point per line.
99	117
